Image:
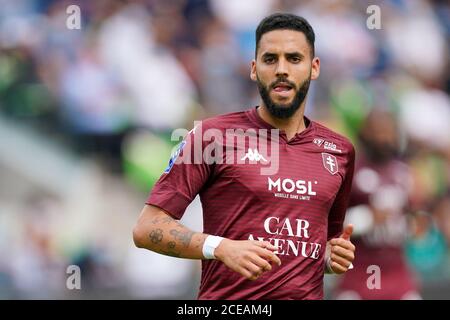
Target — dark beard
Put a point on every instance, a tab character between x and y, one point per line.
283	111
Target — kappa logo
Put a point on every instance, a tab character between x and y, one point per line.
326	145
330	163
253	155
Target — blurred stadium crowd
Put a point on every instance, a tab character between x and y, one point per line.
86	117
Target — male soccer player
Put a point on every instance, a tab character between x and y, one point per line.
266	235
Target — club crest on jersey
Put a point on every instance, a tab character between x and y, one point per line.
174	156
330	163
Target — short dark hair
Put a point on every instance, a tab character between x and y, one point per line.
285	21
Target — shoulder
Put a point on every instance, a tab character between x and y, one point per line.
226	121
217	126
334	139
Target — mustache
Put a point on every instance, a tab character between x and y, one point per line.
283	80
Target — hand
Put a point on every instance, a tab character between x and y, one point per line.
250	258
342	251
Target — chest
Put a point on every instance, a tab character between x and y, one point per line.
293	177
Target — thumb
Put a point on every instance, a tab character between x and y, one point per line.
348	230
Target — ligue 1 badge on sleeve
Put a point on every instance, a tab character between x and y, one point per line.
174	157
330	163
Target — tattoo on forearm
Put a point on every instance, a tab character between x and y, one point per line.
167	220
171	245
199	242
156	236
155	221
183	236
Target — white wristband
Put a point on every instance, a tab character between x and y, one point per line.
330	269
211	243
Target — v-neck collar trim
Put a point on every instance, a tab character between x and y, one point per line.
256	119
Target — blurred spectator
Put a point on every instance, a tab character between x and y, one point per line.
378	211
160	89
427	248
222	88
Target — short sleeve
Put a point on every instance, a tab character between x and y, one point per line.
183	178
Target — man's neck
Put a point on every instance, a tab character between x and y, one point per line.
290	126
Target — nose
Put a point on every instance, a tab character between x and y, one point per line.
282	70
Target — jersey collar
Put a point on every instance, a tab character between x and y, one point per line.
261	124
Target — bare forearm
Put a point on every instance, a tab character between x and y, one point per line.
157	231
163	234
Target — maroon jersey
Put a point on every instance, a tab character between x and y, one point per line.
297	206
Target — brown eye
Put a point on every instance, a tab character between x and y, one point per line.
295	59
269	60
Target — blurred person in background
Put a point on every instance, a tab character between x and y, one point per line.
378	210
